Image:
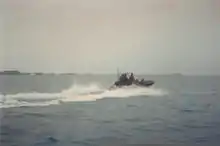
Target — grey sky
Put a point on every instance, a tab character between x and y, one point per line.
144	36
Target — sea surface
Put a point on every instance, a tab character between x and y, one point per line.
79	110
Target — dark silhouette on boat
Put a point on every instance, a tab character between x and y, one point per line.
124	80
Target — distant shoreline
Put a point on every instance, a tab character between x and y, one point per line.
15	72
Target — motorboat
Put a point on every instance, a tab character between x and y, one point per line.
126	80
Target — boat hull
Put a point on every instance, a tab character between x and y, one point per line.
139	83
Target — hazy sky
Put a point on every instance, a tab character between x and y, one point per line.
144	36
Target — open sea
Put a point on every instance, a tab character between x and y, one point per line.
79	110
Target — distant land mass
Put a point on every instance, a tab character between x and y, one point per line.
10	72
16	72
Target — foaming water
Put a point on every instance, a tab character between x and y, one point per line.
75	93
28	99
115	93
77	89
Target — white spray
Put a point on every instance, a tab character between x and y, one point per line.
91	92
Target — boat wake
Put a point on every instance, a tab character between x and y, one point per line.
75	93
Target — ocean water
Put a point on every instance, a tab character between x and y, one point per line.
79	110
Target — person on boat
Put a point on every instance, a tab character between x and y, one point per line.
123	77
131	78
